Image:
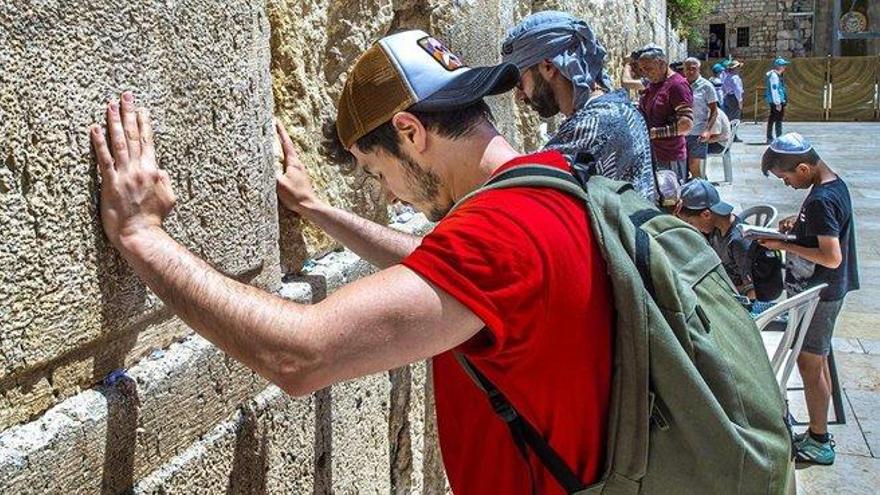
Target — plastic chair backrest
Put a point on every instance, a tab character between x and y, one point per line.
734	124
800	310
764	215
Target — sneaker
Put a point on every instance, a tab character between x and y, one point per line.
813	452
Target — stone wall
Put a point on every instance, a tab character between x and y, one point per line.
776	27
186	418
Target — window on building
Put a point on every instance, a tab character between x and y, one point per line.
742	37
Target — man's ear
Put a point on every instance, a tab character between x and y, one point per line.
547	69
410	130
804	169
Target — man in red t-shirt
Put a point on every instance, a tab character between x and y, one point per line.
512	279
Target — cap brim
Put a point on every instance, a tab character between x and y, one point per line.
470	86
721	208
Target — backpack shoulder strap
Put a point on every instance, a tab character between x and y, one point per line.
531	175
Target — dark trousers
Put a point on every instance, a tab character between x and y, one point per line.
732	107
775	120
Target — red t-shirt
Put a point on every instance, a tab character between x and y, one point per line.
525	261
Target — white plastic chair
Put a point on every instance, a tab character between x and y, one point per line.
800	310
759	215
725	155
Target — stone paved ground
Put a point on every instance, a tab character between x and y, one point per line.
853	150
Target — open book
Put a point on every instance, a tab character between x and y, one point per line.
754	232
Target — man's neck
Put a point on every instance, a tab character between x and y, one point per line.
823	174
723	223
565	97
474	159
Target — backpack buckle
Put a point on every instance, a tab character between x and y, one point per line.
502	407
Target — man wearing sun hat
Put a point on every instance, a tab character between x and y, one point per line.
732	87
776	96
493	281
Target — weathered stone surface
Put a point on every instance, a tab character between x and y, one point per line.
267	446
63	289
415	449
359	435
313	43
106	438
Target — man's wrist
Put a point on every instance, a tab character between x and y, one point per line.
312	208
136	241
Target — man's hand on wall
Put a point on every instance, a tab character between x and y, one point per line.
135	195
294	186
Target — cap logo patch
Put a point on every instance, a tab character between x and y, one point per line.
440	53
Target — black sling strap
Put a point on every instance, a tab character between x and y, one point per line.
524	435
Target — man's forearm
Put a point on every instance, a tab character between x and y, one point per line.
713	115
378	244
816	255
258	329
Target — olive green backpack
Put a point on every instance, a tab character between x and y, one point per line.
695	408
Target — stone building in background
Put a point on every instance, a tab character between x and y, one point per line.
791	28
185	418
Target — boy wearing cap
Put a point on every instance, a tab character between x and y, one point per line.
494	281
776	96
824	252
701	207
561	63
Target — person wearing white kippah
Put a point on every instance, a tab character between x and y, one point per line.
824	251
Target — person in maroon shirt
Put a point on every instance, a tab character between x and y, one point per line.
512	279
667	105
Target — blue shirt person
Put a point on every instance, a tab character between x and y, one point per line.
776	96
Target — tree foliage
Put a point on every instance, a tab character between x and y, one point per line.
687	16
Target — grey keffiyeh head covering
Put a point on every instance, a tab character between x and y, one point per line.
566	41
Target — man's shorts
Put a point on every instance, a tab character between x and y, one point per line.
818	338
696	149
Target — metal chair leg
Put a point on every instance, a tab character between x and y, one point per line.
728	167
836	396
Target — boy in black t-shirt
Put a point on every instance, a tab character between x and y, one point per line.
824	252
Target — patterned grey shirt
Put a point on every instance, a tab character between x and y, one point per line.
610	131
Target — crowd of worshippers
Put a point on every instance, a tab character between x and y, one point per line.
660	143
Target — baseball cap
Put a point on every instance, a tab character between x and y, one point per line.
791	144
717	68
779	62
411	70
700	194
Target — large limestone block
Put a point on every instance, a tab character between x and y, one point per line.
416	464
267	446
106	438
202	67
313	44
